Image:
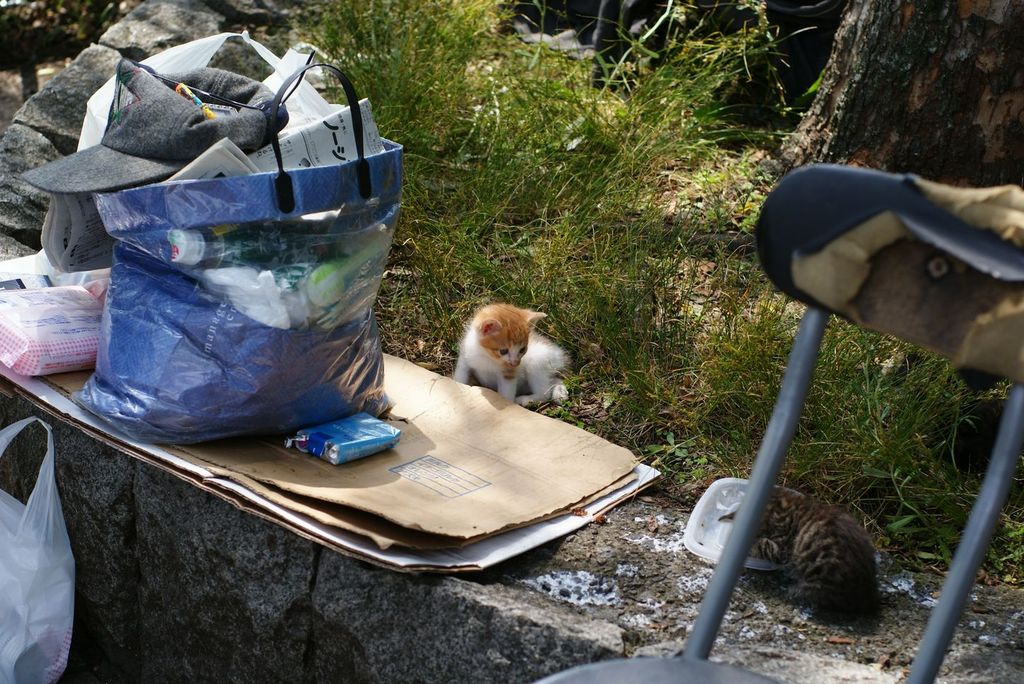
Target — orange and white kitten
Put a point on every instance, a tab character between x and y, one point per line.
502	351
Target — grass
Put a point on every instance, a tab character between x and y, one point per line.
605	208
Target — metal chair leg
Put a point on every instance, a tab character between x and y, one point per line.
974	542
766	467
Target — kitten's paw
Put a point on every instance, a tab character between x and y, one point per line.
559	394
526	400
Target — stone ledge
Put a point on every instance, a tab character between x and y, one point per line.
174	583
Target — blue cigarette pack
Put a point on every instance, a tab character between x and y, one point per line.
345	440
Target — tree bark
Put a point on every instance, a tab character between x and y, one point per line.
931	87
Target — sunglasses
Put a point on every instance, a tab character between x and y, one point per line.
205	99
192	92
201	96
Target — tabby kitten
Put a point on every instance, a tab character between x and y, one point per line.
493	351
827	557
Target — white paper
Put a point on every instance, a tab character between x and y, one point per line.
326	142
222	159
73	236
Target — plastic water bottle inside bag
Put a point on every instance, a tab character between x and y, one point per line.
290	275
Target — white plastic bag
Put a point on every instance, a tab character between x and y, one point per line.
304	106
37	577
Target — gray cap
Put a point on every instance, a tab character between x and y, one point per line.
153	132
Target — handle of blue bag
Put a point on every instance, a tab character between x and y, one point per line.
283	182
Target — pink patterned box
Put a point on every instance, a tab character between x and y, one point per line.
49	330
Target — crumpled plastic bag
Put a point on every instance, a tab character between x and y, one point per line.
37	577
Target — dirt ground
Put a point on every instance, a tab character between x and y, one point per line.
634	571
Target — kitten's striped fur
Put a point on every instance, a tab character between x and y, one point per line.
826	555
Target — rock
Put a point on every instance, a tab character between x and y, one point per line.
58	109
98	500
10	96
224	596
46	127
788	665
661	649
983	664
22	207
445	629
159	24
262	12
11	248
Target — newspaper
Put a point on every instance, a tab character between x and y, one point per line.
323	143
73	237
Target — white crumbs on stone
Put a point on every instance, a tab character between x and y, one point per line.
578	587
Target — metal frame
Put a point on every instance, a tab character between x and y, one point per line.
974	541
770	456
969	554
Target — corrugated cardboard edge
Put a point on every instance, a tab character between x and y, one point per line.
381	531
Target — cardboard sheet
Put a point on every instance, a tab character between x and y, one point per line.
469	463
353	531
383	533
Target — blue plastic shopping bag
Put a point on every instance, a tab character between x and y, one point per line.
244	305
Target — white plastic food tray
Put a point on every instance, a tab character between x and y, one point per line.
705	534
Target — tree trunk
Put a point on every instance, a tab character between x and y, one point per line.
932	87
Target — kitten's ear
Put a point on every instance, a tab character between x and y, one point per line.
533	316
490	327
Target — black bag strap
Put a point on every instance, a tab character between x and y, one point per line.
283	182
